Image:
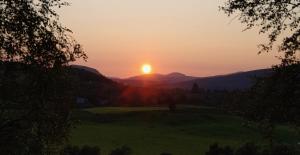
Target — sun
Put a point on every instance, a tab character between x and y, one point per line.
146	69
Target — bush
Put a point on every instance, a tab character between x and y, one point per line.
215	149
285	150
70	150
252	149
124	150
85	150
248	149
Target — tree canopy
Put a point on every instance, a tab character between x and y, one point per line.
35	89
30	33
273	99
273	17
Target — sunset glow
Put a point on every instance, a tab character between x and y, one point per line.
188	36
146	69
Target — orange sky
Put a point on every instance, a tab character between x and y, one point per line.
188	36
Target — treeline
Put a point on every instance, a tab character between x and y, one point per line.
214	149
151	96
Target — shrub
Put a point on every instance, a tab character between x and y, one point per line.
88	150
215	149
248	149
252	149
85	150
124	150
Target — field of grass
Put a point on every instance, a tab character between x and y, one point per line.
153	130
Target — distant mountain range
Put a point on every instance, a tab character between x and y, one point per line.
239	80
155	79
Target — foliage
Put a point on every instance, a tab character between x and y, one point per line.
30	33
215	149
274	17
35	94
252	149
275	100
124	150
248	149
165	154
195	88
85	150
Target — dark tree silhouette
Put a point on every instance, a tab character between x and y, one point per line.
275	99
195	88
35	95
273	17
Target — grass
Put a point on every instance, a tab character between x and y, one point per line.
153	130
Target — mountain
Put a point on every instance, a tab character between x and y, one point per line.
88	69
239	80
155	79
93	88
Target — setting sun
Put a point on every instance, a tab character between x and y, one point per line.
146	69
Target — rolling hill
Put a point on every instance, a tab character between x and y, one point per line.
93	88
239	80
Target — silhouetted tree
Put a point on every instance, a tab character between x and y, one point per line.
195	88
35	95
273	18
275	100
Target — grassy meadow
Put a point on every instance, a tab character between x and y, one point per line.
154	130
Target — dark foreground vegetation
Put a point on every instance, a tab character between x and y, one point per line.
214	149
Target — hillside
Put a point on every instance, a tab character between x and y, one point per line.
240	80
92	88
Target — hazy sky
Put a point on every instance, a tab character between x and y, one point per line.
188	36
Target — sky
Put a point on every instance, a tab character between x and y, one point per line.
188	36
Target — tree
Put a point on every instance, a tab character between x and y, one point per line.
35	96
274	99
195	88
273	17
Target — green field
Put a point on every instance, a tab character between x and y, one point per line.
153	130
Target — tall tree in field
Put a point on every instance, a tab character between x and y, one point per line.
35	96
275	99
